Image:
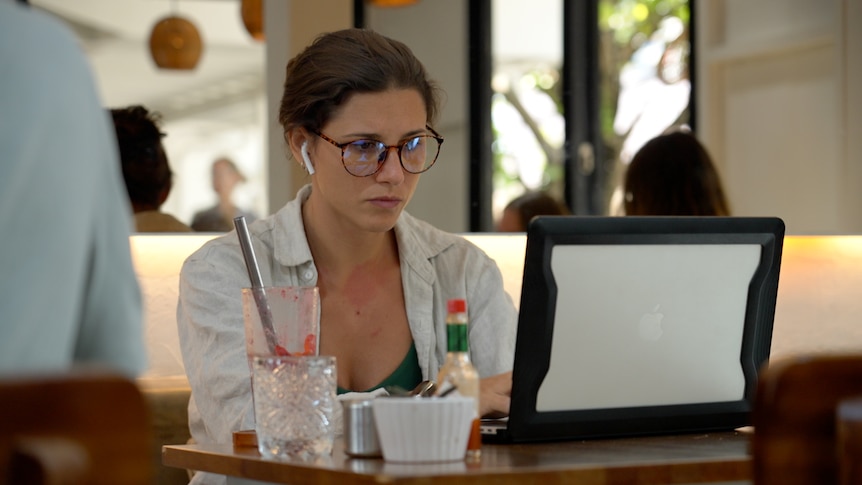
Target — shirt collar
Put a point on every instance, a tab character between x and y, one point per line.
418	241
290	247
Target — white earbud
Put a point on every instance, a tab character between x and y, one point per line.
304	151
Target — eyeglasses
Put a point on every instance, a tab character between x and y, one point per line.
362	158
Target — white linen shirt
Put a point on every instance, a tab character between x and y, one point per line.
435	266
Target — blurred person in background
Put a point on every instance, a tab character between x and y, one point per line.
146	171
520	210
219	218
673	175
68	291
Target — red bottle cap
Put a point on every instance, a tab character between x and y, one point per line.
457	305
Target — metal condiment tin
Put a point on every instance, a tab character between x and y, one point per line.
360	433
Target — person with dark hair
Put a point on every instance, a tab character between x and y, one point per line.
219	218
673	175
69	292
357	112
145	168
522	209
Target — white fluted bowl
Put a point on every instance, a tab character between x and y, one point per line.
424	429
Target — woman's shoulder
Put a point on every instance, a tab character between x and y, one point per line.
219	251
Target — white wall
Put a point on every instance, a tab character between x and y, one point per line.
778	106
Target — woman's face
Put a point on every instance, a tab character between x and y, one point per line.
370	203
224	178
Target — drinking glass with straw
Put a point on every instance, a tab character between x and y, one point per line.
256	283
258	292
282	325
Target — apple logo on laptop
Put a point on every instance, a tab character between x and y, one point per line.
650	325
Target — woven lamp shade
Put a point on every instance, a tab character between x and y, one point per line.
252	18
175	43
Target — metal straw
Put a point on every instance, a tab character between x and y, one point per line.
257	288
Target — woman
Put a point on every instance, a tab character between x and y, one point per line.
673	175
219	218
146	171
357	112
522	209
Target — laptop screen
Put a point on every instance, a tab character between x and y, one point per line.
636	325
655	319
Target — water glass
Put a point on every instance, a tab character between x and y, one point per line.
294	403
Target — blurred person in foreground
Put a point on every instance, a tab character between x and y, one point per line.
673	175
357	111
219	218
68	292
146	171
522	209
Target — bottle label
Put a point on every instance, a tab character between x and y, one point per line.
456	337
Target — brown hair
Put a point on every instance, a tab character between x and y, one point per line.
145	165
532	204
673	175
339	64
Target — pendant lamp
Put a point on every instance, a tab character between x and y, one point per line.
175	43
252	18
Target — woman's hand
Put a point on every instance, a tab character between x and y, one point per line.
494	395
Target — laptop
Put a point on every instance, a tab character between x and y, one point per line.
640	325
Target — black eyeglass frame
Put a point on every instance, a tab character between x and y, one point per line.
385	153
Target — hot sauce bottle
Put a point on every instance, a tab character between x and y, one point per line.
458	371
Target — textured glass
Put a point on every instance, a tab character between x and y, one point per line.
294	402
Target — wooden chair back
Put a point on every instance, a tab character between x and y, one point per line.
83	427
849	423
795	409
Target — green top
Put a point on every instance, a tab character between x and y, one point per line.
407	376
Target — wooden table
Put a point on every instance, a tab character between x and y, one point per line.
695	458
